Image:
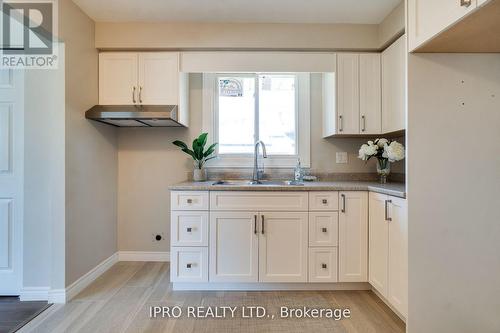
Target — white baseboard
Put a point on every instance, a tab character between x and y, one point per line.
34	294
80	284
57	296
143	256
61	296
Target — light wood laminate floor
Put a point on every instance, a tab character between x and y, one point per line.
120	299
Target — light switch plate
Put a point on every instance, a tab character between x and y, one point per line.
341	157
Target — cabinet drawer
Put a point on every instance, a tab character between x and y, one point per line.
323	201
189	200
189	264
188	228
323	264
323	228
259	201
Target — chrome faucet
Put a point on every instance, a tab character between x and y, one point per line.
256	172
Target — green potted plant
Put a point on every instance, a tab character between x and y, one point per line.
199	155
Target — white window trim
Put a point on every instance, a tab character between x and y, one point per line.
273	161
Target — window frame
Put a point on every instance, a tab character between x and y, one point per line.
302	123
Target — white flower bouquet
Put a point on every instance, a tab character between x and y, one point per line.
385	151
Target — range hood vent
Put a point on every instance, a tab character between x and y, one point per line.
135	115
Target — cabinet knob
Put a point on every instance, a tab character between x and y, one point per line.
188	265
324	201
323	265
189	201
189	229
323	229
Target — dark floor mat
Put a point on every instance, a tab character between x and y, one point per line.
14	314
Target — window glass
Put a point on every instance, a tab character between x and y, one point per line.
277	119
236	114
245	115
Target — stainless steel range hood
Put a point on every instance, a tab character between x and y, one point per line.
135	115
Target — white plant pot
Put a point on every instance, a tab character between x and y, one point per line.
199	175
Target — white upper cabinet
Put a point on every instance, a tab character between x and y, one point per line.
158	78
427	18
370	93
353	236
144	78
352	95
118	78
394	87
348	93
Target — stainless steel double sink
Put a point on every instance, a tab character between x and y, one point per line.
259	183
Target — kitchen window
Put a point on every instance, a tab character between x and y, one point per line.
240	109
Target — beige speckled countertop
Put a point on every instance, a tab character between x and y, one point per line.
394	189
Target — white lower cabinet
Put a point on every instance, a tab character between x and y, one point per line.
320	236
398	255
323	264
283	247
234	247
389	249
189	228
378	243
189	264
353	236
323	228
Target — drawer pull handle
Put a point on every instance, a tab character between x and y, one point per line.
324	201
189	229
323	229
255	224
189	201
189	265
323	266
343	203
262	219
387	218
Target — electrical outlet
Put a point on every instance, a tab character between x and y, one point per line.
341	157
157	237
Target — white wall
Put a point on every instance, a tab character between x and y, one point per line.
149	163
91	153
393	26
136	35
43	243
454	193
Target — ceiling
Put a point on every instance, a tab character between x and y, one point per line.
239	11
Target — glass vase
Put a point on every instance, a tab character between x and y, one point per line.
383	170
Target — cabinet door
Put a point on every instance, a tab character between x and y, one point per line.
378	243
234	248
188	228
323	229
189	264
323	264
347	93
117	78
353	236
427	18
370	103
398	255
394	86
283	247
158	78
